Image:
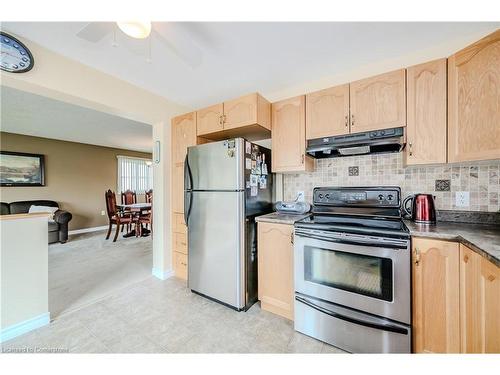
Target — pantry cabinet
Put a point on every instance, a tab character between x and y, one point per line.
474	101
436	308
327	112
426	131
289	136
275	268
183	134
378	102
479	303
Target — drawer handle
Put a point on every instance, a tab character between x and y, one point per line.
417	256
184	264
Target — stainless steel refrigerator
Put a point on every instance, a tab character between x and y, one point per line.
227	184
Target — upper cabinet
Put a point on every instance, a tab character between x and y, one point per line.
426	131
289	136
183	135
474	101
378	102
248	116
209	120
327	112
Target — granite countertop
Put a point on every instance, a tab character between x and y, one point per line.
280	218
483	239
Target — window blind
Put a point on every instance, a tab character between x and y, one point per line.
135	174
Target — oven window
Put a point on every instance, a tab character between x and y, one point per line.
362	274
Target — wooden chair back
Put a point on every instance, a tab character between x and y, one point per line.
110	203
149	196
129	197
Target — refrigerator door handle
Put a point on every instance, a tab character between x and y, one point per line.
188	177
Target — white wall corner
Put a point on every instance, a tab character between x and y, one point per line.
162	274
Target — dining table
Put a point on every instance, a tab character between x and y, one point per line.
136	208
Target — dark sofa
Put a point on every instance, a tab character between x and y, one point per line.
58	230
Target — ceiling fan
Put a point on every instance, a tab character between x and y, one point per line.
173	35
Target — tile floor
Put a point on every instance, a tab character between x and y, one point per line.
154	316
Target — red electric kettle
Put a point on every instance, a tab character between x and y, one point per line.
422	209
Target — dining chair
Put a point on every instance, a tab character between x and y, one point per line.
128	197
149	195
114	215
147	220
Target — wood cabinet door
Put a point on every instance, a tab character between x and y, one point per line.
426	131
289	136
275	268
178	188
378	102
209	120
436	323
474	101
183	136
479	303
240	112
327	112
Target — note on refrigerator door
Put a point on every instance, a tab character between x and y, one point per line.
248	148
253	191
248	163
253	180
263	182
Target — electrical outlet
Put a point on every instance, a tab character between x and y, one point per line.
300	196
462	199
103	213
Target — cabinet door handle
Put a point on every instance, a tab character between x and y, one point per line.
417	256
352	120
346	121
411	148
221	120
302	159
291	238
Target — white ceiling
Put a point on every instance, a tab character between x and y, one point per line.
30	114
238	58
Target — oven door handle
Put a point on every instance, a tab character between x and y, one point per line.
383	326
351	241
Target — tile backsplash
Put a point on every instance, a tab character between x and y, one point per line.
480	179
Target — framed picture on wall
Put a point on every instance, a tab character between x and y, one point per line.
21	169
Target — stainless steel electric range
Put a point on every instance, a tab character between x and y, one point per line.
352	270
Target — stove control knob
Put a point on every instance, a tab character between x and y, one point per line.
327	196
380	197
390	197
320	196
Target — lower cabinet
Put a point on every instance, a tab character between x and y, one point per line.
180	265
479	303
456	299
275	265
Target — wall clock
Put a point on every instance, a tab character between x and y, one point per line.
15	56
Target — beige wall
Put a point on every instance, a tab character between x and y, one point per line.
24	269
76	176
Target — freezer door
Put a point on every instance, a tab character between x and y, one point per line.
216	166
216	236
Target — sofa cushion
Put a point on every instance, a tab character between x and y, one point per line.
53	226
4	208
22	207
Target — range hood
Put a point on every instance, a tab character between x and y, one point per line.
376	141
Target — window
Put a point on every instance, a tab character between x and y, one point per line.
135	174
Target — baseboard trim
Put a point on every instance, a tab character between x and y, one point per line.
88	230
24	327
162	275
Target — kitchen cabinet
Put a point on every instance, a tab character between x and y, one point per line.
275	268
474	101
436	308
327	112
209	120
479	303
183	136
426	131
289	136
378	102
248	116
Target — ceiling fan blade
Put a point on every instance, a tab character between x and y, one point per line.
179	42
95	31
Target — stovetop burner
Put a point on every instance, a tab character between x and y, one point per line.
362	210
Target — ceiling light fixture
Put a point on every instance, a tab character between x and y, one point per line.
138	29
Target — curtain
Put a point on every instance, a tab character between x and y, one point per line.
135	174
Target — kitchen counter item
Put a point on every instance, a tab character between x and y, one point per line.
483	239
293	207
279	218
423	209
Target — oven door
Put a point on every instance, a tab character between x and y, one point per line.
367	273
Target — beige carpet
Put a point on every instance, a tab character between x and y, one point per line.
88	268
